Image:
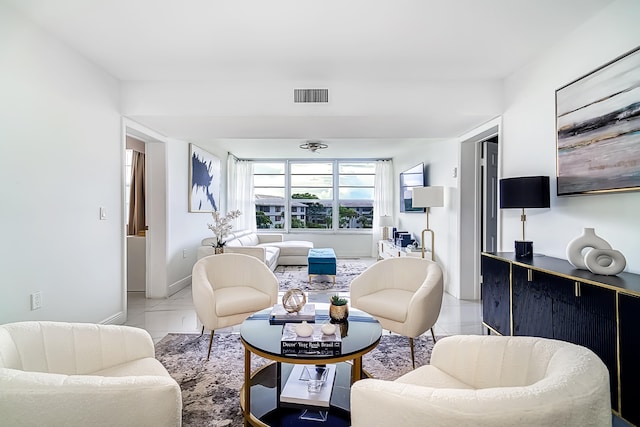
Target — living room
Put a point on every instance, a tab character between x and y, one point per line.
53	94
65	117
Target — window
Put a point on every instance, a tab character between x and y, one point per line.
269	186
311	194
356	182
320	195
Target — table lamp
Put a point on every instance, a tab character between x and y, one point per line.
385	222
428	197
524	192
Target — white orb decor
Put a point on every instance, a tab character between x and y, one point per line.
607	262
576	247
293	300
328	329
304	329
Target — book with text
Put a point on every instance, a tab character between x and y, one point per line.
318	344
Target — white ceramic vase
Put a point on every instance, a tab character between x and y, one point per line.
576	247
304	329
608	262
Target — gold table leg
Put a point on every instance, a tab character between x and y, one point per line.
247	387
356	374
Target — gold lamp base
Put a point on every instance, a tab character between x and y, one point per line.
433	254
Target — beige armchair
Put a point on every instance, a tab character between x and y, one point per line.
228	288
491	381
82	374
403	294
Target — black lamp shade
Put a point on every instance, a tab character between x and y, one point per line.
524	192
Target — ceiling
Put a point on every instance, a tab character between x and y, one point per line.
397	71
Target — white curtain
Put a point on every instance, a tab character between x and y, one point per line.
240	192
382	199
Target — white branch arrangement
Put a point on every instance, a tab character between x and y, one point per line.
221	226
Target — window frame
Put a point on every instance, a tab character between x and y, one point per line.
335	201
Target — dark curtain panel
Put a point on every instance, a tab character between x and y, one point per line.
137	220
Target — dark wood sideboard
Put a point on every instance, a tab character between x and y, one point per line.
547	297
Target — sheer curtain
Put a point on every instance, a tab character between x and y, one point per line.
137	220
240	192
382	199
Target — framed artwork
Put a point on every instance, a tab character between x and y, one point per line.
598	129
204	179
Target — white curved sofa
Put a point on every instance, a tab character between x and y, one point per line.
81	374
272	249
491	381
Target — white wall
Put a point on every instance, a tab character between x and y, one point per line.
185	229
345	244
440	157
529	139
60	157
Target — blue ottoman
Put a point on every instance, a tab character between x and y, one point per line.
322	261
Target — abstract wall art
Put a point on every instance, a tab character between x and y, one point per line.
204	179
598	129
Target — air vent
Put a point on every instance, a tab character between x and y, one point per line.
311	95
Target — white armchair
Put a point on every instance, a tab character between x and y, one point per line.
403	294
491	381
228	288
81	374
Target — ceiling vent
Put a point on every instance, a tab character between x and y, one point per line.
311	95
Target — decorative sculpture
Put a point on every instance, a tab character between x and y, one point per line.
599	257
293	300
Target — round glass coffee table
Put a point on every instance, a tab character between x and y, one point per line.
260	394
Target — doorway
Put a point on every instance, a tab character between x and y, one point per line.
478	206
155	244
135	208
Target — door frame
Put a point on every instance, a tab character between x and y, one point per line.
156	235
471	205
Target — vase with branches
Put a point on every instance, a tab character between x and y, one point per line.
222	226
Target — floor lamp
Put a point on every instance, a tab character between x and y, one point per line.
428	197
385	222
520	193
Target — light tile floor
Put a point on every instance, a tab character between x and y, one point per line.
177	314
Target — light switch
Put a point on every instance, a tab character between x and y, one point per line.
103	213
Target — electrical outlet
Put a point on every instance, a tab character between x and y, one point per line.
184	253
36	300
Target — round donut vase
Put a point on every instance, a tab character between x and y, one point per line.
607	262
587	240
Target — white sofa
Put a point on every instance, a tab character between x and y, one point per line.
491	381
81	374
270	248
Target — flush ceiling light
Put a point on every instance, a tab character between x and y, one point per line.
313	146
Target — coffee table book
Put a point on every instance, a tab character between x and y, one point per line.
295	390
318	344
280	316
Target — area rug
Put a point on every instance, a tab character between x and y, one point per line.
211	389
296	276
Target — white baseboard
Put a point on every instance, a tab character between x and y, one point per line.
117	319
180	284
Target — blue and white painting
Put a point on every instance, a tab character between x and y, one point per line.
598	129
205	180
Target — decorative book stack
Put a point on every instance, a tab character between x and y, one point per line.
280	316
318	344
296	389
